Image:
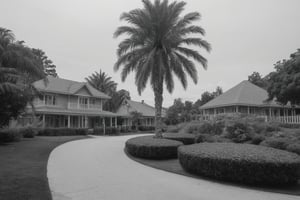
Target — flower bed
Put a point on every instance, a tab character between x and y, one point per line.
244	163
152	148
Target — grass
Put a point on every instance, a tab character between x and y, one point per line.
173	166
23	167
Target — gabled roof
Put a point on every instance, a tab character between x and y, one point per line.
134	106
245	93
64	86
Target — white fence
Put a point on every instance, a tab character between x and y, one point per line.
286	119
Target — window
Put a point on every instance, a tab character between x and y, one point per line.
50	100
83	101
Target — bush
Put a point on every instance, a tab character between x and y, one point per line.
152	148
28	132
10	135
276	142
294	148
210	138
214	127
62	131
244	163
257	139
146	128
181	137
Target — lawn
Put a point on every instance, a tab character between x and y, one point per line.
23	167
173	166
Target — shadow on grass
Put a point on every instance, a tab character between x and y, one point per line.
23	167
173	166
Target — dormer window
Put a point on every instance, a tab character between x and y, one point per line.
50	100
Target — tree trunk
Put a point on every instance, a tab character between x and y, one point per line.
158	98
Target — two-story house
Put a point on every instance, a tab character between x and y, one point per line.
71	104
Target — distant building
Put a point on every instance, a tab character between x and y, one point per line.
66	103
147	112
248	98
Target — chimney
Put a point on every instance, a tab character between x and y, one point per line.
142	101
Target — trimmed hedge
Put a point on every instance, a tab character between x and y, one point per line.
62	131
181	137
108	131
152	148
10	135
244	163
146	128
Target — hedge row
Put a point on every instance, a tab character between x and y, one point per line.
182	137
152	148
108	131
15	134
244	163
62	131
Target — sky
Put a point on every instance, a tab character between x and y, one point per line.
77	35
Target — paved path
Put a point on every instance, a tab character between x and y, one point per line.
98	169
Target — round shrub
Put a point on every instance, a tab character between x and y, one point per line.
295	147
152	148
185	138
28	132
276	142
244	163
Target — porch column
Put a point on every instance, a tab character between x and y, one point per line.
69	121
44	121
116	122
248	110
110	121
85	122
103	124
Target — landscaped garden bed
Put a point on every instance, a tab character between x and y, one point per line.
242	163
152	148
182	137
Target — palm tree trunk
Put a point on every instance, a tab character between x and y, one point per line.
158	98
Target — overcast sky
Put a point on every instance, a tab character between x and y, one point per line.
77	35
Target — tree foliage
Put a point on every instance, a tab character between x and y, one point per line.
104	83
18	66
156	47
49	67
184	111
284	82
258	80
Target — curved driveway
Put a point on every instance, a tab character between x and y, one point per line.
98	169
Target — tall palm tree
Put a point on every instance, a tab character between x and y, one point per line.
102	82
156	48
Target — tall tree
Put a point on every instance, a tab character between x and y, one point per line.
157	47
49	67
17	64
284	83
101	81
258	80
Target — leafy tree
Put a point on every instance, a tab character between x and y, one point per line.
49	67
258	80
174	112
118	98
284	83
18	65
135	117
156	47
102	82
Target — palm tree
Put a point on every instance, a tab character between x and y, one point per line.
102	82
156	48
